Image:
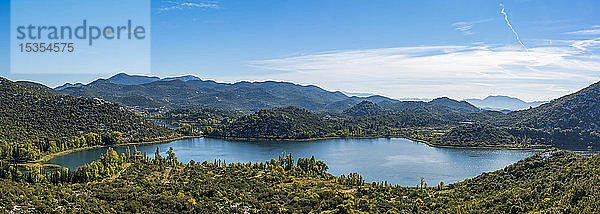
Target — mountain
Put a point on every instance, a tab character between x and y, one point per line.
186	91
503	103
443	103
357	94
454	105
125	79
580	110
352	101
414	99
68	85
364	109
182	78
36	122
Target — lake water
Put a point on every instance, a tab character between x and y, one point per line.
397	160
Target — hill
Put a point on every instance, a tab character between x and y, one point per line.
364	109
125	79
36	86
549	182
580	110
571	121
443	103
292	123
36	122
453	105
282	123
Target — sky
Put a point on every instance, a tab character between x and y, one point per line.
532	50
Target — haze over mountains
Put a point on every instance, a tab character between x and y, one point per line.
500	103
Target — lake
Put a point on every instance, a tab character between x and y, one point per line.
397	160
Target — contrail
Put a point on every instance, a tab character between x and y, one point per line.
511	27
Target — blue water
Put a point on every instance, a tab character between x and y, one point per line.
397	160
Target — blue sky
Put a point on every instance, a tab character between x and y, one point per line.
460	49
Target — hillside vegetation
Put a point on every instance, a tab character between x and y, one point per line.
36	122
580	110
549	182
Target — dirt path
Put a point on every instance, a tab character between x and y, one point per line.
112	178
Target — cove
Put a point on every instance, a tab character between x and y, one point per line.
396	160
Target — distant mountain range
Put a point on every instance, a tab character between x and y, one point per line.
126	79
146	92
153	92
500	103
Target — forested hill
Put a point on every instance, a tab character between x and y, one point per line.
552	181
453	105
282	123
36	122
293	123
580	110
572	121
364	109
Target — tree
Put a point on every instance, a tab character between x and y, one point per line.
157	154
112	138
171	155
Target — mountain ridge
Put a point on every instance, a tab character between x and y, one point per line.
501	102
244	96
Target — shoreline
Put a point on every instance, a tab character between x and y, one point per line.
42	161
49	157
375	137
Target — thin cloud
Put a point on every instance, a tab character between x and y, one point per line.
585	32
182	5
511	27
466	27
585	45
455	71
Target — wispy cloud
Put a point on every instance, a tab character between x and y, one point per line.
467	27
585	45
594	31
511	27
456	71
182	5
